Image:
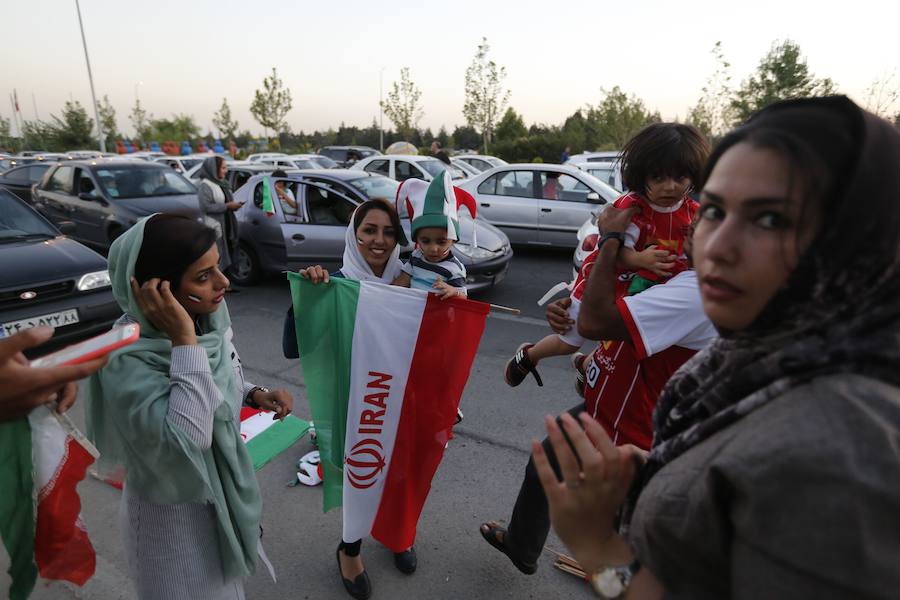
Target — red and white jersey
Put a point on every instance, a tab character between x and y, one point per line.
658	226
623	379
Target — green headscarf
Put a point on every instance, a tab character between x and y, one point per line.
127	402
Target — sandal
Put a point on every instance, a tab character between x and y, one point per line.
490	531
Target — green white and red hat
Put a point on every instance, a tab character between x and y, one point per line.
434	204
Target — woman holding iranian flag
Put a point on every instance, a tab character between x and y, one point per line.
371	253
167	409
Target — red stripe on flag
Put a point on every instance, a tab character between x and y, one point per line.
448	340
62	548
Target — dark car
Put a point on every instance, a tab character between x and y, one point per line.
326	198
49	279
345	156
19	180
105	197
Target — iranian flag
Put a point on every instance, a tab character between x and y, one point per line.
42	459
384	367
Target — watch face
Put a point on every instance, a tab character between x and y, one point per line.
607	583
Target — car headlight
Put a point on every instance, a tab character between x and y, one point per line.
93	281
473	252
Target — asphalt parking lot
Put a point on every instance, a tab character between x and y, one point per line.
477	481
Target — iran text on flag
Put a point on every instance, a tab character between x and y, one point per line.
384	368
41	462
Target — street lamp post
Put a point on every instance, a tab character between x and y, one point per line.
380	110
91	79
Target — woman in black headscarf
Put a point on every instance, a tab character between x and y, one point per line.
219	205
775	467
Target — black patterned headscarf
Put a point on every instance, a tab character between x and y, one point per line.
839	311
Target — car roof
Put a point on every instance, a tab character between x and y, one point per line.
342	174
251	166
115	162
349	147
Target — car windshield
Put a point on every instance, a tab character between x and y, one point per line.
138	182
334	153
18	222
433	167
496	162
324	162
376	186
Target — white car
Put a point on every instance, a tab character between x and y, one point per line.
479	162
184	164
264	155
540	204
588	235
300	161
606	156
607	172
402	167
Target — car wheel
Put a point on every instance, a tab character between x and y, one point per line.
245	269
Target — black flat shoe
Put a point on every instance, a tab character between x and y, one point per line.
360	588
406	562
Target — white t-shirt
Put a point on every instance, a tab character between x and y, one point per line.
670	314
287	208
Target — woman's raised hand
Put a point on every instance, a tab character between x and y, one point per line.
595	482
164	312
315	274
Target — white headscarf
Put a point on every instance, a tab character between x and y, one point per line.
356	267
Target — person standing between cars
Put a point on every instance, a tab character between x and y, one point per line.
647	338
167	409
217	202
776	454
371	253
438	152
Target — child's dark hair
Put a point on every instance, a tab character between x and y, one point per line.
664	149
382	205
171	244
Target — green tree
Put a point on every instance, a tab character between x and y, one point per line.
402	105
713	114
108	121
781	74
73	129
485	96
38	135
465	137
7	142
617	118
140	120
179	128
511	126
224	123
271	105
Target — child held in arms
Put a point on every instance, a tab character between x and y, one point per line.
433	210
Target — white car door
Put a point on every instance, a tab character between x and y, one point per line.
564	207
507	199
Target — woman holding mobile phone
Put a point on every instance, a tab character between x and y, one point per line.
167	409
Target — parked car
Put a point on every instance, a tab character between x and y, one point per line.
463	166
403	167
264	155
82	154
49	279
183	164
540	204
105	197
480	162
19	180
301	161
145	155
326	200
340	154
609	172
605	156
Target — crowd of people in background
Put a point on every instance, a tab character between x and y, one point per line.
737	432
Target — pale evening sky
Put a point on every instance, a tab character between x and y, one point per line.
185	56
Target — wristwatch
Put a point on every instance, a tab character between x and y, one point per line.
249	401
610	583
612	235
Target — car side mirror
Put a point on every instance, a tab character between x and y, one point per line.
594	198
66	227
87	196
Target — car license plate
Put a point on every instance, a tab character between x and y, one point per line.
58	319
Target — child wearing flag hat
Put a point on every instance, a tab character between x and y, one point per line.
433	210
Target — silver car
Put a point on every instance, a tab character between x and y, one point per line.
539	204
326	199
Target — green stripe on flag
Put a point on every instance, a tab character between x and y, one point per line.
275	440
325	316
267	206
17	520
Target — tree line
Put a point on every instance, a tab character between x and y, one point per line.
491	124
